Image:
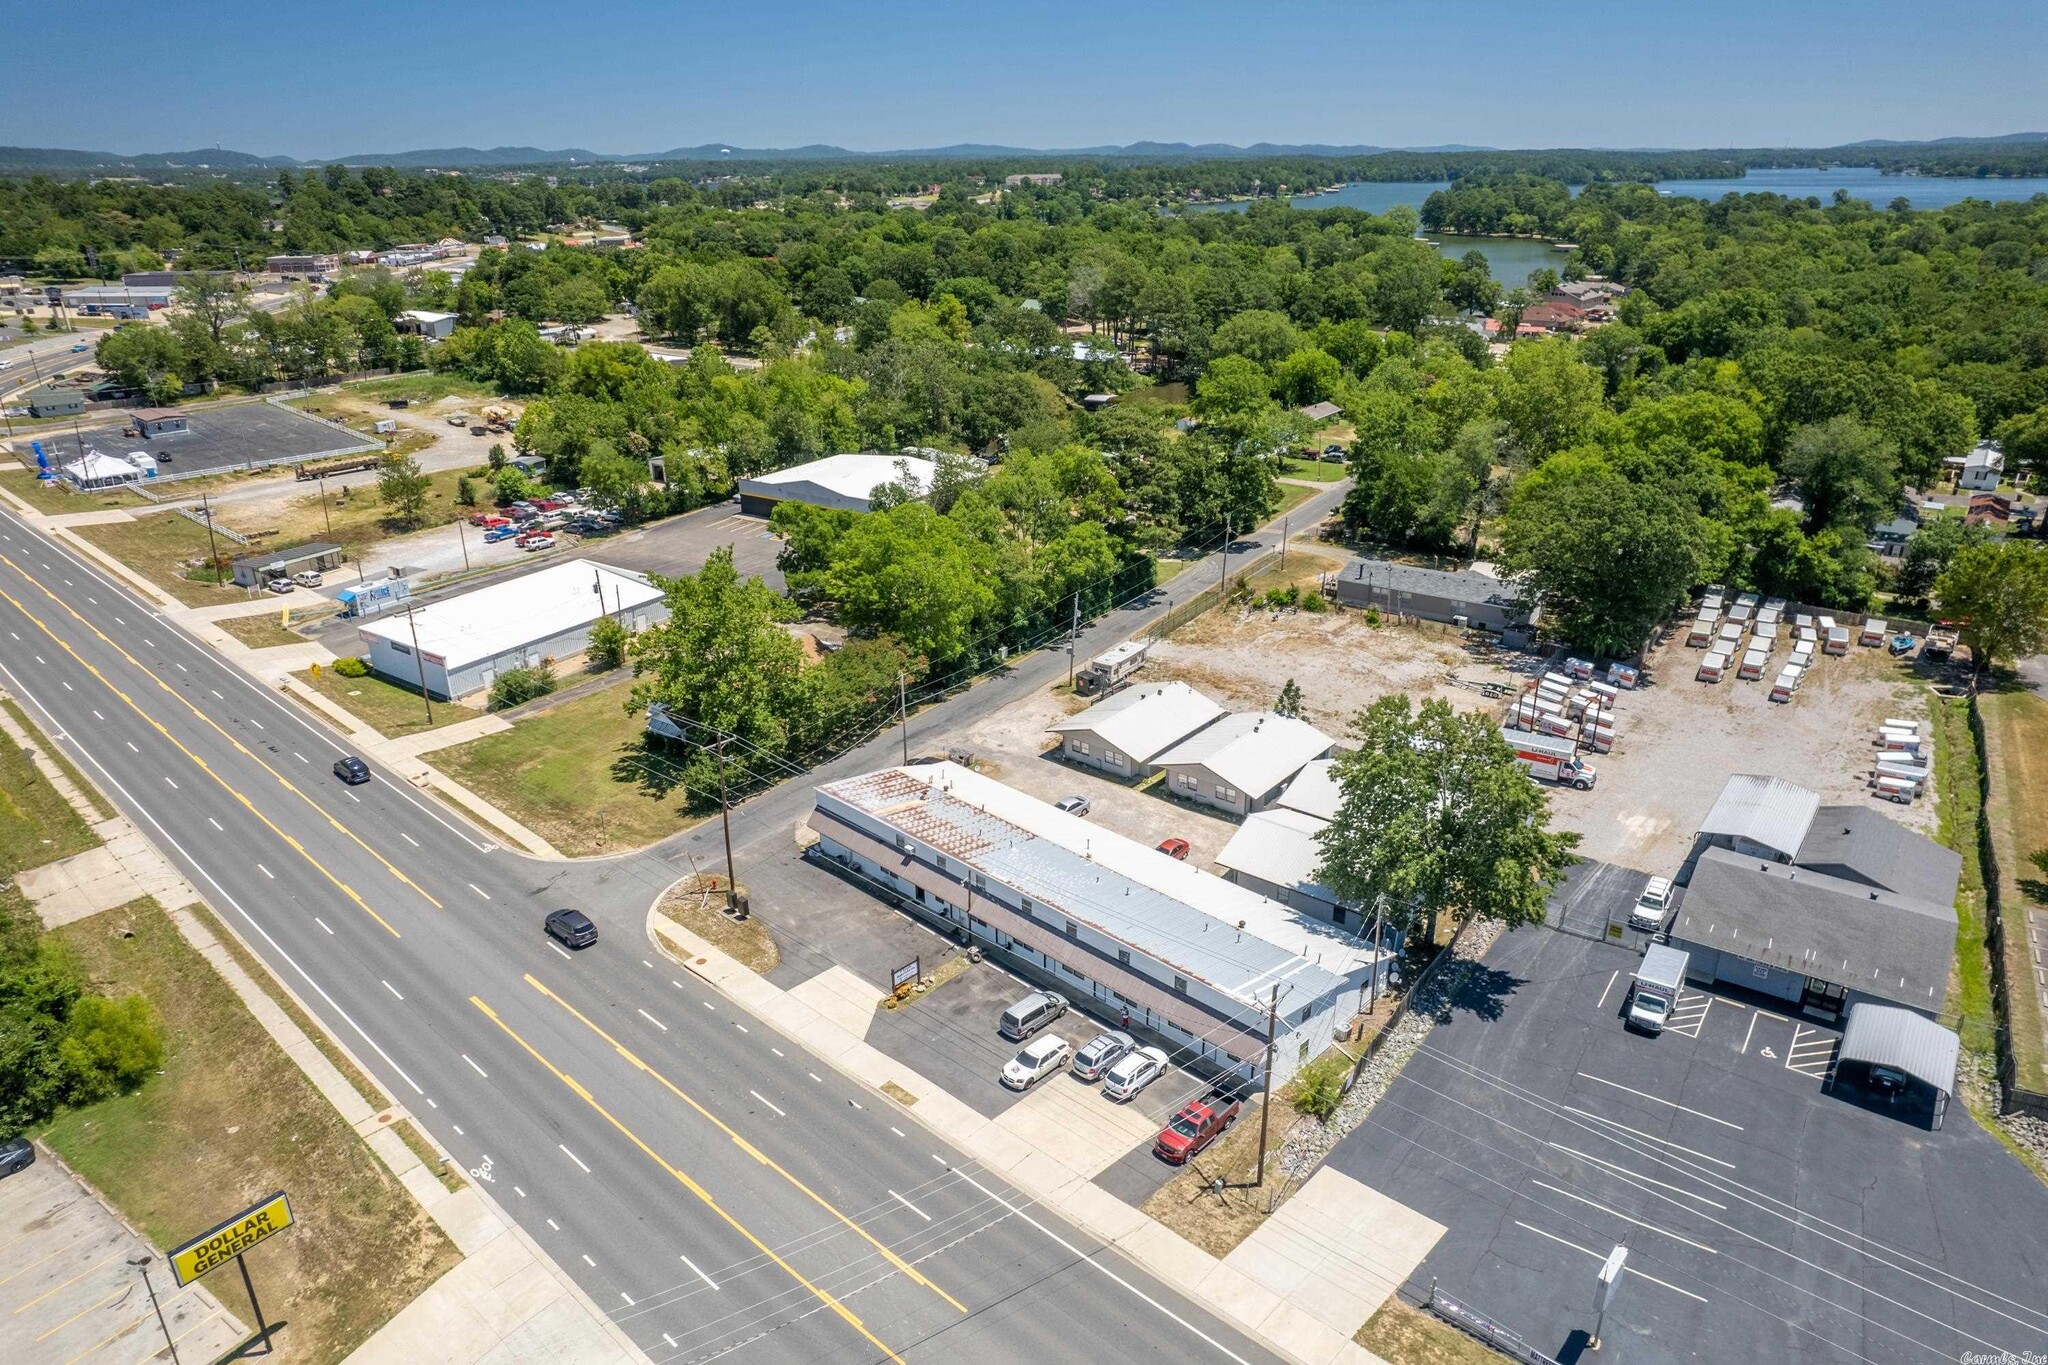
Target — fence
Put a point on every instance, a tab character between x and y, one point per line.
1204	598
1484	1329
194	514
2015	1097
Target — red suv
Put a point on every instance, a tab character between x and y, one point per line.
1193	1128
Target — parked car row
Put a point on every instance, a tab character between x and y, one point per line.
1117	1060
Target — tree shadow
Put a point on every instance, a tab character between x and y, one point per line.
648	770
2034	889
1483	992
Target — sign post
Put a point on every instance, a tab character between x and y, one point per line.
230	1240
1603	1294
904	975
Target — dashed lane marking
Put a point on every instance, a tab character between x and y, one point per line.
770	1103
652	1020
389	987
474	1067
698	1273
573	1157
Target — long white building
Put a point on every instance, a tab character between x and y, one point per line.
1104	918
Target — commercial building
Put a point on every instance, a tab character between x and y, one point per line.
432	326
253	571
1459	598
1818	906
1123	733
322	264
465	642
154	422
101	297
1186	955
842	481
1239	763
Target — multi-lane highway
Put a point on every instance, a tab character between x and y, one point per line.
705	1180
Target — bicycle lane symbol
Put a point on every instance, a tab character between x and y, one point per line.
483	1172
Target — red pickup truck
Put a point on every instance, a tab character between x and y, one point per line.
1196	1126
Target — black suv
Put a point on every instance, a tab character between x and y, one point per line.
352	770
16	1154
572	927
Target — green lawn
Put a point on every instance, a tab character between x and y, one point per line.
56	500
2016	743
424	386
384	706
1293	495
1316	471
260	631
37	825
229	1119
163	547
576	774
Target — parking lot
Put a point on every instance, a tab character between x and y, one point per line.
1765	1217
233	436
680	545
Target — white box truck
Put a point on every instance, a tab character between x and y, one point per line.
1551	758
1654	992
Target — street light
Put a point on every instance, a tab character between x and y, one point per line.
141	1263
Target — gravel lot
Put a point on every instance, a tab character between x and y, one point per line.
1678	740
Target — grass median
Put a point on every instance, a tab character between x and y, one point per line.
37	825
577	774
229	1119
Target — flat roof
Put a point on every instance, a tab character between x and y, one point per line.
855	476
1254	751
291	554
1144	720
1462	585
1234	940
502	617
1281	847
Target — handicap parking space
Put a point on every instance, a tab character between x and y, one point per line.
1767	1218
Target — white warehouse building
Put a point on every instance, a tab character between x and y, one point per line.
847	482
466	641
1185	954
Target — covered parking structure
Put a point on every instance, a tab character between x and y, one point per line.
1900	1041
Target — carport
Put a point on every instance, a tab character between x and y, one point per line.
1886	1036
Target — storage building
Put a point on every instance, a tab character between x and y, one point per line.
1463	597
1190	957
432	326
1276	853
466	641
151	423
1122	734
253	571
1239	763
842	481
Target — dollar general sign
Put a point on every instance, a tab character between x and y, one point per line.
222	1244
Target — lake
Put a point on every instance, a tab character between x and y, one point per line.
1862	182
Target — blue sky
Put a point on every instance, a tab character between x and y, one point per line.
638	75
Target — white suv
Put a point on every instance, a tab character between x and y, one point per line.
1650	908
1039	1058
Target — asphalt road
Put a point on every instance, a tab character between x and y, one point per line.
709	1184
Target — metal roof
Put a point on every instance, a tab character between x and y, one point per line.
496	620
1281	847
1314	791
1142	721
1463	585
851	478
1884	1035
1210	930
1764	810
1253	751
1875	941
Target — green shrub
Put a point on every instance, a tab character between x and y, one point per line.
351	667
1313	603
1372	617
465	491
110	1046
607	644
1319	1087
516	685
1277	598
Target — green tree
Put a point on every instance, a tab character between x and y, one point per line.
1929	552
2024	439
916	576
607	649
722	659
147	359
465	491
110	1046
613	479
2000	594
1846	474
1408	284
1438	816
1549	398
1289	702
515	686
403	488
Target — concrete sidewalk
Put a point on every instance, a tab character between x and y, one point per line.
1303	1283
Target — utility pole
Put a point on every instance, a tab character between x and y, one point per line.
1073	639
462	533
1378	918
420	663
903	715
212	541
1223	583
1266	1105
1284	523
322	477
141	1263
725	822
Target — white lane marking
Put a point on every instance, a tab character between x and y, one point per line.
352	796
553	1224
131	747
1601	1256
216	695
770	1103
1647	1137
558	948
1608	987
458	1129
174	785
521	1193
677	984
1648	1096
1648	1227
645	963
573	1157
41	660
257	723
181	667
908	1205
67	686
479	890
215	823
587	1261
1104	1270
431	1104
776	1050
151	643
700	1274
322	923
936	1157
652	1020
119	622
408	838
671	1340
707	1004
741	1027
90	598
858	1105
894	1129
266	871
389	987
97	716
627	1297
474	1067
814	1076
1748	1034
1636	1175
301	757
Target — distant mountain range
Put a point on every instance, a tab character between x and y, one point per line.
217	158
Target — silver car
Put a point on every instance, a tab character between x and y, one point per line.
1133	1073
1102	1052
1039	1058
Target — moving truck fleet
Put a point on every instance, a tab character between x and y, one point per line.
1551	758
1655	990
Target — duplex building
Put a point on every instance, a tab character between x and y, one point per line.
1185	954
1122	734
1818	906
1461	597
1239	763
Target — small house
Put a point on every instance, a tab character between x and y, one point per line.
1240	763
1320	413
1982	468
1121	735
151	423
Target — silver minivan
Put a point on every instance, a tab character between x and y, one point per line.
1031	1014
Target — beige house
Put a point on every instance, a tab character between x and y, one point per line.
1122	734
1240	763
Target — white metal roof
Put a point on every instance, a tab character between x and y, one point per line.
1279	846
504	617
847	478
1314	790
1143	720
1885	1035
422	315
1253	751
1764	810
1159	905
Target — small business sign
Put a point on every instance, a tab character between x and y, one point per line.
215	1248
904	975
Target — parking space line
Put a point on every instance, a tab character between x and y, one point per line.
1608	987
1647	1227
1810	1049
1748	1034
1648	1096
1600	1256
1634	1175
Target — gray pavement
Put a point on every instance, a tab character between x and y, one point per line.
1766	1220
417	942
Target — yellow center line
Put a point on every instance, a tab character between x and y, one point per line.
687	1183
749	1148
201	763
173	693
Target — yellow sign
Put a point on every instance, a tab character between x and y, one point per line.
210	1250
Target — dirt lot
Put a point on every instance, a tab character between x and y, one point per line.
1678	741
